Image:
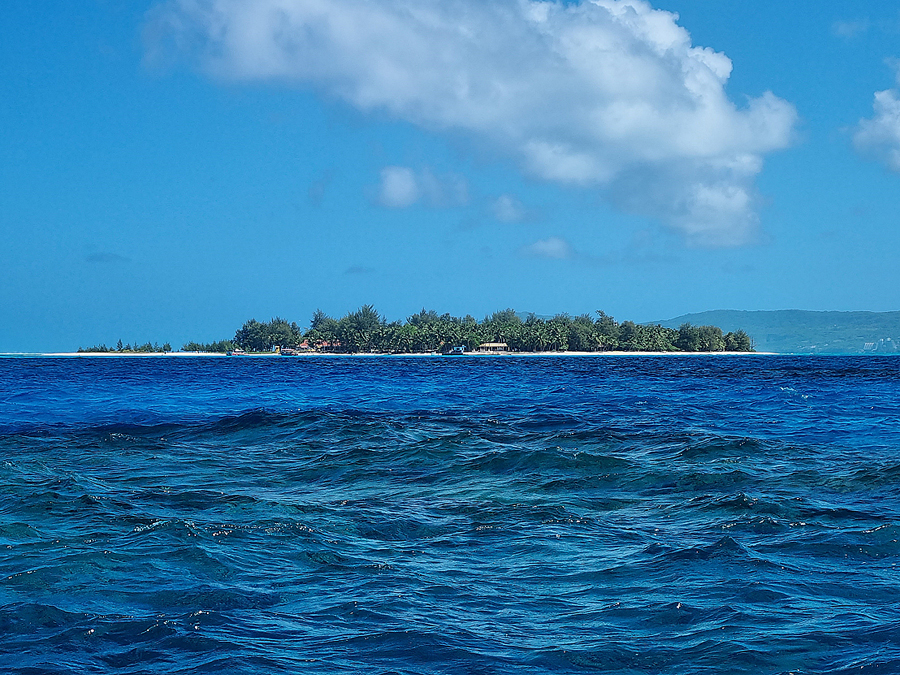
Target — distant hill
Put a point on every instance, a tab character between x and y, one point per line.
793	331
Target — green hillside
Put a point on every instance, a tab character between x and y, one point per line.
800	331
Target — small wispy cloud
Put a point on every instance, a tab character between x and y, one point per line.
849	29
401	187
508	209
645	247
553	248
398	188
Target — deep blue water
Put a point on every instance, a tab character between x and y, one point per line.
450	515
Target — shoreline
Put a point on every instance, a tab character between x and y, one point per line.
144	355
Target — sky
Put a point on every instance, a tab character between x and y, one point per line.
172	168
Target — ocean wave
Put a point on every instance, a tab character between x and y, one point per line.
508	515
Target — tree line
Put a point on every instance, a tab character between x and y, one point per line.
128	348
365	330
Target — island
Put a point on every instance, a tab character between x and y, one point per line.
506	331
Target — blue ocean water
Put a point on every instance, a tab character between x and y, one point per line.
450	515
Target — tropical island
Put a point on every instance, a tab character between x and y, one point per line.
366	331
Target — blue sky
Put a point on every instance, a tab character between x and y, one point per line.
171	169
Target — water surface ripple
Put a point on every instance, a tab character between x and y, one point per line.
450	515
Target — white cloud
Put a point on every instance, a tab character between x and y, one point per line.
880	136
508	209
398	188
553	248
401	187
609	94
849	29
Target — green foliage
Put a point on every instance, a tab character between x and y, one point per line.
505	317
361	331
146	348
219	347
365	330
640	338
96	348
255	336
738	341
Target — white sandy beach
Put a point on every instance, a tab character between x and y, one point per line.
369	355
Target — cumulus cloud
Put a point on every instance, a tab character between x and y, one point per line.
401	187
605	94
879	136
553	248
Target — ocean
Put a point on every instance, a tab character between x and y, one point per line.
678	514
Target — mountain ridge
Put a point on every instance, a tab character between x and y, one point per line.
800	331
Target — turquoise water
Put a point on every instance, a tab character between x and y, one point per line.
450	515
